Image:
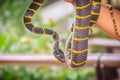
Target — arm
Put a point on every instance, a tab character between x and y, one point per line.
105	22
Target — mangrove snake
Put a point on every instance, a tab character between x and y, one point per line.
87	13
95	10
79	56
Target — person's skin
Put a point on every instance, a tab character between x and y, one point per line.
105	22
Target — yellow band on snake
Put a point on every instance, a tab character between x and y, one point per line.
80	28
28	23
40	4
79	39
33	10
82	7
79	51
82	17
77	64
33	29
28	17
96	3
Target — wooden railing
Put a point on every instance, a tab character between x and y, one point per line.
110	60
107	64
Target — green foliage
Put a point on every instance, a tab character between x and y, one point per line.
99	33
12	30
11	27
45	73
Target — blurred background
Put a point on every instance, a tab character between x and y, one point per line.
55	14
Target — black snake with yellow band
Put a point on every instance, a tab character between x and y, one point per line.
80	34
78	43
95	10
28	23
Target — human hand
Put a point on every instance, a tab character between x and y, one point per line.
71	1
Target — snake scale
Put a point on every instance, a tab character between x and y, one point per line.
87	13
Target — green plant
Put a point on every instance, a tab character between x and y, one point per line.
45	73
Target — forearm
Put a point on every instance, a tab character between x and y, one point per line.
105	22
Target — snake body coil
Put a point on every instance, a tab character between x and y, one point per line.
95	10
28	23
77	44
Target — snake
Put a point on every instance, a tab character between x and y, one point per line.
95	11
86	14
58	53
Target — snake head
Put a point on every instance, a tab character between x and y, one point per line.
59	55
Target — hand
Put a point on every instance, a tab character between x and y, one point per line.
71	1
